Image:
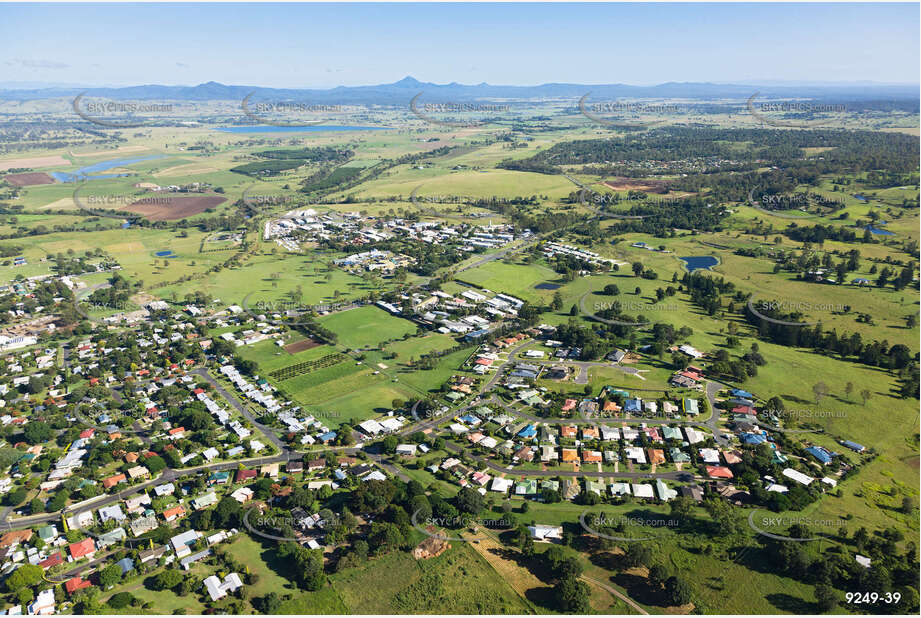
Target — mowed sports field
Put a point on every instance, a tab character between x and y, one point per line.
366	326
347	390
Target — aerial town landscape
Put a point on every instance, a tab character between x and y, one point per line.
433	348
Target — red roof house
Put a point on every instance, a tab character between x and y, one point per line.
82	548
114	480
244	475
52	560
77	583
719	472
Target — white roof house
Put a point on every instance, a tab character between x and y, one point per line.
370	427
165	489
642	490
218	589
710	455
406	449
111	512
635	453
799	477
501	485
43	605
541	532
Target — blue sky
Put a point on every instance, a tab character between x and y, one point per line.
313	45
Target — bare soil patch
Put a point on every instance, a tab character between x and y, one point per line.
172	207
300	346
28	179
633	184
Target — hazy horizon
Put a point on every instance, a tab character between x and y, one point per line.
319	46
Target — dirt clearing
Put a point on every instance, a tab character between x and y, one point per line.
172	207
300	346
29	179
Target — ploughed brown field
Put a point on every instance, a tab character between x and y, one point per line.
172	207
28	179
300	346
630	184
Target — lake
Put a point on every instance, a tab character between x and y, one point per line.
703	262
876	230
308	129
84	173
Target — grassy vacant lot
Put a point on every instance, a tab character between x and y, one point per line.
133	248
262	561
439	180
366	326
162	601
457	582
515	279
269	276
417	346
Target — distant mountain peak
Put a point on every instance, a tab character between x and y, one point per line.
409	80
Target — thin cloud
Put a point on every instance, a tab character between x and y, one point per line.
33	63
